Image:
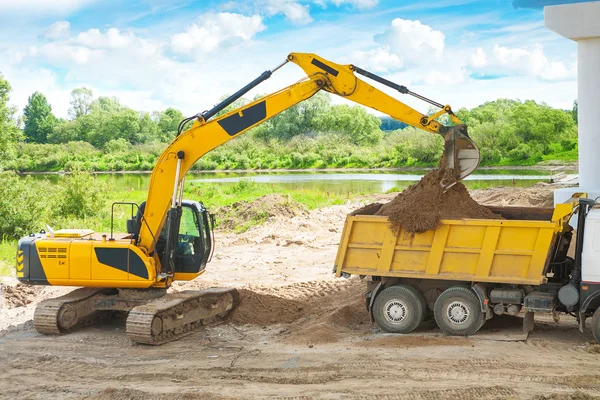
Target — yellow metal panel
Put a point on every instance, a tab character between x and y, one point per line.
540	253
80	260
341	252
411	261
184	276
387	251
484	265
458	263
437	249
367	233
416	240
53	254
466	236
361	258
517	238
510	265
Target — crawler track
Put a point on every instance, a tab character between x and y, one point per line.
65	313
179	314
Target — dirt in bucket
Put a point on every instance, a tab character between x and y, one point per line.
421	206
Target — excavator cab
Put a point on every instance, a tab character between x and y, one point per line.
194	240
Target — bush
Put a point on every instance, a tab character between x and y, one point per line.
81	195
24	205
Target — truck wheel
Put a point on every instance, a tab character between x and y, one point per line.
398	309
596	325
457	312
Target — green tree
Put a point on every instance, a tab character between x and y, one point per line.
39	120
168	122
575	112
354	121
296	120
9	132
81	102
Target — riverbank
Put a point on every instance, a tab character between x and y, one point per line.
559	167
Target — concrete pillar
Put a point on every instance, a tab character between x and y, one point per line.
588	94
580	22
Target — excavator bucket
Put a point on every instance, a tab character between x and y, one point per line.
461	155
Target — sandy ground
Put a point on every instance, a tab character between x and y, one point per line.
299	333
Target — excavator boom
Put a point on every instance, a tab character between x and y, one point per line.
460	154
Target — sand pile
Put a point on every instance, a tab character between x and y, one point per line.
421	206
314	312
242	214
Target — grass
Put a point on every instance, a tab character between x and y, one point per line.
8	250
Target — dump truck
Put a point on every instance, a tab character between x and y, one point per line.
466	271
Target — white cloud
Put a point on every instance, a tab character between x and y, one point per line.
533	62
111	39
377	60
479	58
212	30
64	54
58	30
413	41
360	4
294	12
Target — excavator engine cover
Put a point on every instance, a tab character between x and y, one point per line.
460	153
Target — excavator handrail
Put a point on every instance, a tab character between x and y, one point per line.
205	134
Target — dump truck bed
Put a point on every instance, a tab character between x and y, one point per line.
512	250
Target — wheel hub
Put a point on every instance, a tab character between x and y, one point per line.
395	311
458	312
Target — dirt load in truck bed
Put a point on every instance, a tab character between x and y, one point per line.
421	206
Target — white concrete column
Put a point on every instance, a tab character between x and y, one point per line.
581	22
588	95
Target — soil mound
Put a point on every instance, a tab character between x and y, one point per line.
19	295
421	206
539	195
243	214
314	312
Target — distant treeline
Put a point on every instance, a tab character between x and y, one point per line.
101	134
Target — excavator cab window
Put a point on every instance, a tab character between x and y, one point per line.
193	240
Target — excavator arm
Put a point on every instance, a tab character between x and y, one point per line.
205	134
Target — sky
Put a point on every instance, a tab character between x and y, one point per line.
154	54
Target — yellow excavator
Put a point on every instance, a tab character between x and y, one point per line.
170	239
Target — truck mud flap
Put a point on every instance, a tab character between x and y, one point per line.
370	299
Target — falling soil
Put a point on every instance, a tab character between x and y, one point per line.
421	206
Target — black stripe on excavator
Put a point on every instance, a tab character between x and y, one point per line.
244	119
324	67
122	259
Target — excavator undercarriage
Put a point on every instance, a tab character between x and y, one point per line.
155	317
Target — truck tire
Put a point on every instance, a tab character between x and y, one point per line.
596	325
399	309
458	312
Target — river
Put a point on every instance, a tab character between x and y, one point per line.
336	182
